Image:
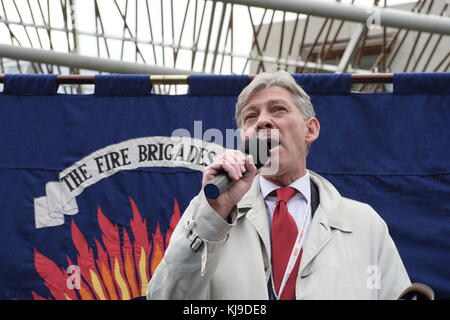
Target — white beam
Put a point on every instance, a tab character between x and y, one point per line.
351	48
83	62
387	17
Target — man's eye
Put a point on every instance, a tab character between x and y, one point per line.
279	108
249	116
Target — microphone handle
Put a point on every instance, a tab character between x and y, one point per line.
222	182
219	184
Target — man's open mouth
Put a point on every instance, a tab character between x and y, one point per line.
272	141
271	144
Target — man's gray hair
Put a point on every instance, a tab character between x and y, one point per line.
281	79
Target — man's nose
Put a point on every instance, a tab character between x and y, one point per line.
264	122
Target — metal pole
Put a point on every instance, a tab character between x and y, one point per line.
184	79
351	48
83	62
73	16
388	17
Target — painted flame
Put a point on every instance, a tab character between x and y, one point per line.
118	270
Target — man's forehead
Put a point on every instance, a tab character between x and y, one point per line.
272	94
252	104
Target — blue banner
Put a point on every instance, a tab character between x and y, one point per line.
93	185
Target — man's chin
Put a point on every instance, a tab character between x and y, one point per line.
271	168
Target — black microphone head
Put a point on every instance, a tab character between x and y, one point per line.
259	149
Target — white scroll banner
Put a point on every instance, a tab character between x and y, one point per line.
157	151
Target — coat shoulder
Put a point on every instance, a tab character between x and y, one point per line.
351	204
361	213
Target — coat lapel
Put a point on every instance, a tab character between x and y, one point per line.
319	235
252	206
325	218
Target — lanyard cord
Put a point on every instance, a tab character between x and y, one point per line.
294	253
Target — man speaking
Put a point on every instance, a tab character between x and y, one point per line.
278	234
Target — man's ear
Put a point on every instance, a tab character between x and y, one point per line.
313	129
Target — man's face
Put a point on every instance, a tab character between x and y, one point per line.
274	108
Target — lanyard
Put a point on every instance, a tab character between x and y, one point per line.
294	253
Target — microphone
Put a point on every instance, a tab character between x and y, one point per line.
259	149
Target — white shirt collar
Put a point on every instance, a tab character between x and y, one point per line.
302	185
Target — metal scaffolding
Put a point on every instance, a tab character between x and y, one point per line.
223	37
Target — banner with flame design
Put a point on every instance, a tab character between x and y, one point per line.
92	186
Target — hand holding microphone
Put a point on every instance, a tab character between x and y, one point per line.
231	174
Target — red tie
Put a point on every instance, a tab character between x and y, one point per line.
284	234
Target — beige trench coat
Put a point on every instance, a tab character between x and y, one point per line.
349	253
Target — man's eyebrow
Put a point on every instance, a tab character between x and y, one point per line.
270	102
277	101
249	107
